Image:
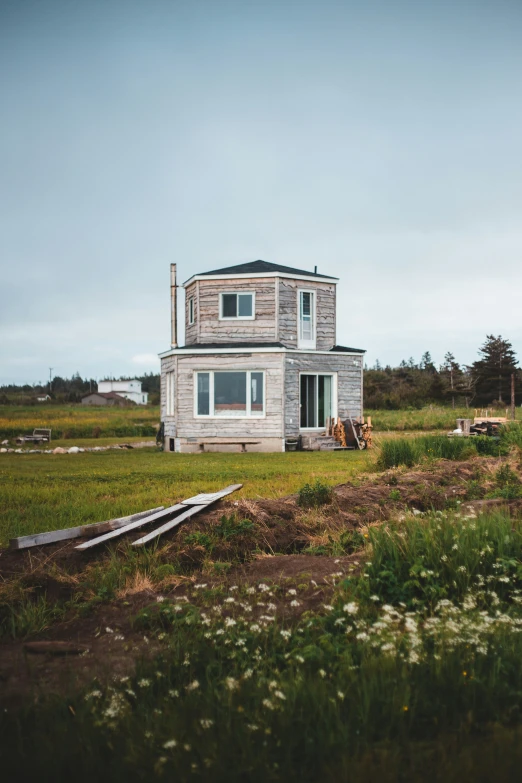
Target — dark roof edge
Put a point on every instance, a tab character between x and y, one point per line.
246	345
345	349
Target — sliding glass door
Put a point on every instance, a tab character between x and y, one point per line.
316	400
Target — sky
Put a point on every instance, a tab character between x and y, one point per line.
379	140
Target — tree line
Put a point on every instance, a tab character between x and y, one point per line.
485	382
412	384
64	390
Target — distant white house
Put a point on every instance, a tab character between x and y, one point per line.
131	390
43	398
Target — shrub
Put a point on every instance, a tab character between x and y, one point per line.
395	452
229	527
314	495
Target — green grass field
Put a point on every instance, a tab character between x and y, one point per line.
406	668
430	418
47	492
79	421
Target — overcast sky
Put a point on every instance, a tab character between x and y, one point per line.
380	141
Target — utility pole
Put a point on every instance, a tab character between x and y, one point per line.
513	396
50	380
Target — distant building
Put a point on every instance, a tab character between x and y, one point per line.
106	398
131	390
43	398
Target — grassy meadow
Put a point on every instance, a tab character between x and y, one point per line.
400	663
98	424
79	421
41	492
432	417
410	670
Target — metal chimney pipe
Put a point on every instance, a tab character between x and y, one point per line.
173	308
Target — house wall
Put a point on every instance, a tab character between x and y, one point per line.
120	386
289	312
209	329
189	430
349	369
272	295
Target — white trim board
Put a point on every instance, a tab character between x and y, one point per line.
310	278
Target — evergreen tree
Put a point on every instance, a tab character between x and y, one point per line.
426	363
451	376
492	372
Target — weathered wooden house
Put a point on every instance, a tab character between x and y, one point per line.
260	364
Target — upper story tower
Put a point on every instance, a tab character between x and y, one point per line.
261	302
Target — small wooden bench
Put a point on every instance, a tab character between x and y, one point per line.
242	443
40	435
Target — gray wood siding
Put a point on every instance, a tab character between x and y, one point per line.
325	312
190	426
349	384
211	330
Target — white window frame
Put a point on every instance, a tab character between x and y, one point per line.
211	414
191	311
170	385
333	376
237	317
313	342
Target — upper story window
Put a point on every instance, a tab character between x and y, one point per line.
237	305
191	311
306	324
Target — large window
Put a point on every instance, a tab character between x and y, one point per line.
317	400
306	319
230	394
237	305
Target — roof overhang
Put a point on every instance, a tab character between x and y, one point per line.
194	350
252	275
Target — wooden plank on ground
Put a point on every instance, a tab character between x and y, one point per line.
122	530
210	497
94	529
186	514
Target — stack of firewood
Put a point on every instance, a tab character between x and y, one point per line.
335	429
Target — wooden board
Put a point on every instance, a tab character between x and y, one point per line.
95	529
122	530
204	499
186	514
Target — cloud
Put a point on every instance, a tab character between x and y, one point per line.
145	358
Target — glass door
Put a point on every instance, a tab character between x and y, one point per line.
316	400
